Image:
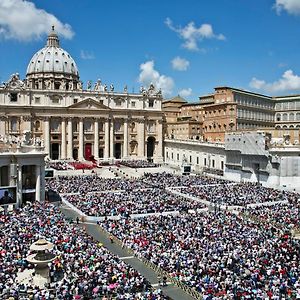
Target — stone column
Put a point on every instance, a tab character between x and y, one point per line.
159	131
106	139
111	138
96	139
63	139
141	139
38	183
70	138
42	180
20	186
81	140
125	146
47	135
2	125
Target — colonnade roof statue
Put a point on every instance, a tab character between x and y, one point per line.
52	59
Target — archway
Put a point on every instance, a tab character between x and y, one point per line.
150	147
118	150
75	153
54	151
88	151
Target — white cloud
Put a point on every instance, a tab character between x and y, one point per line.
291	6
87	55
149	75
185	92
22	20
288	82
180	64
282	65
192	35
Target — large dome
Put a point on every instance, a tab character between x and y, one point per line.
52	59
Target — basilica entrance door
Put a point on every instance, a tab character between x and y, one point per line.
118	151
88	151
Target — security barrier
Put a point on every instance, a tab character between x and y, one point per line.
191	291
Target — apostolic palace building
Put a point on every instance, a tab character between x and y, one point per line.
76	123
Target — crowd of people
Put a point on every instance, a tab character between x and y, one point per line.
92	183
164	179
238	194
83	268
221	255
286	215
138	163
143	201
59	165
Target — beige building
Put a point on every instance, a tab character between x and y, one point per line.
76	123
230	110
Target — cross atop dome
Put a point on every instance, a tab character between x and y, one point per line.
53	40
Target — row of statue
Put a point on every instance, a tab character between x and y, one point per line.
25	140
17	84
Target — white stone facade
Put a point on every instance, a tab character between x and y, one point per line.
203	157
77	123
23	169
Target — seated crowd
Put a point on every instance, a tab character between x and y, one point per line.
138	163
238	194
221	255
83	268
164	180
58	165
92	183
131	202
286	215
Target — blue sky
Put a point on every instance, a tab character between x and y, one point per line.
187	47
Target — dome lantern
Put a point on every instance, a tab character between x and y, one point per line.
53	40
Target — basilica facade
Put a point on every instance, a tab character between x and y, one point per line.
76	123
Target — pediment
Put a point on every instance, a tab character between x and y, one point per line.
89	103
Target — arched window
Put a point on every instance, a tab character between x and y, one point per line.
285	117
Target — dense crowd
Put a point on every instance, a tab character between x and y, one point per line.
132	202
286	215
165	179
83	268
138	163
238	194
92	183
221	255
59	165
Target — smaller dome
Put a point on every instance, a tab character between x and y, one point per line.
52	59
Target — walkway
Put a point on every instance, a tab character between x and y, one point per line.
171	290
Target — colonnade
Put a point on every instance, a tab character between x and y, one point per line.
108	133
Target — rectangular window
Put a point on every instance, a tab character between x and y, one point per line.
204	161
13	125
133	104
75	101
37	100
190	158
55	100
172	155
213	163
118	102
177	156
151	102
197	160
14	97
222	165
